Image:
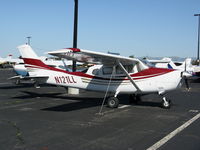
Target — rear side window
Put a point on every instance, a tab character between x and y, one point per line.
95	72
107	70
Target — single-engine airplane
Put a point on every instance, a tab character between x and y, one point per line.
111	73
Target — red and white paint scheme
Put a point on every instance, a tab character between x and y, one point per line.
112	73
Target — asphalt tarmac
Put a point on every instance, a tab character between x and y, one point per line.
47	118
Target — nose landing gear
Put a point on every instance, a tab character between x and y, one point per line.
166	103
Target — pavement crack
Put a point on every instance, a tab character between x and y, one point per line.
18	135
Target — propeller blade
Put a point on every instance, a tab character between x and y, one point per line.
184	77
185	66
186	83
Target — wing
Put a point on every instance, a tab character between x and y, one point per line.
94	57
158	61
101	58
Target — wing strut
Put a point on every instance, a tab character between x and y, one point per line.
129	77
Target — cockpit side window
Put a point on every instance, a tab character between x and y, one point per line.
119	70
129	69
107	70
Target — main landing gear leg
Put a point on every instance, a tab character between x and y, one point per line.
113	102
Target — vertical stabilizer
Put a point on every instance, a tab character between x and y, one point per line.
27	52
188	62
30	57
171	65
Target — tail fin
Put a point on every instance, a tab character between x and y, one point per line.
188	62
30	57
171	65
27	52
9	56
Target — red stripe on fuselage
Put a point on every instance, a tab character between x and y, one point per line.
147	73
152	71
39	63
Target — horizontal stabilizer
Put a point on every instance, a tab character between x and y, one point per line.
30	79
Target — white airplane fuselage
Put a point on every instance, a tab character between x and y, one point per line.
149	80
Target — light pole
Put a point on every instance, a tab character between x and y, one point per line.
75	31
29	40
74	90
198	37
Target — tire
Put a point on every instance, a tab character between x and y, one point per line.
113	102
166	105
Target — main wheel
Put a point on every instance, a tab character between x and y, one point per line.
113	102
166	104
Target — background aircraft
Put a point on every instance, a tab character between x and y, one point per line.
9	61
183	66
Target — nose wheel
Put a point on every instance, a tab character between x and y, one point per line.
166	103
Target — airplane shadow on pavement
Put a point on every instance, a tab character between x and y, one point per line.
12	86
81	101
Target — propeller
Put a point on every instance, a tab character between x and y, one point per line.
186	82
185	65
184	75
